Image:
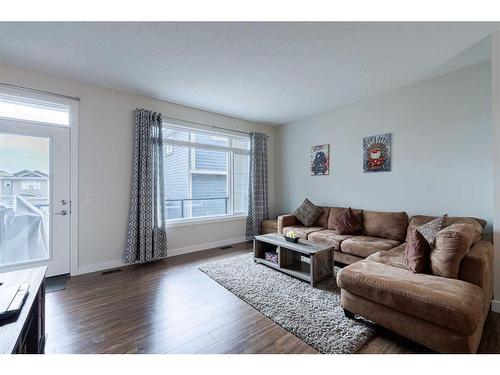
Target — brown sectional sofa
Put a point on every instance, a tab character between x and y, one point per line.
446	314
269	226
382	231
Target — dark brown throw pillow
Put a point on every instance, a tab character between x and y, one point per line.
347	223
417	253
308	213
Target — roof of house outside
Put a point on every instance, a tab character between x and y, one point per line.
23	173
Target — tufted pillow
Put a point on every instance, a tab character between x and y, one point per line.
431	229
308	213
347	223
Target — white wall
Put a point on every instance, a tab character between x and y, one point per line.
441	160
105	159
495	67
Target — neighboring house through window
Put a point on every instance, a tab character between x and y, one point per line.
206	173
30	185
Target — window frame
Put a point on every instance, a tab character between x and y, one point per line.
43	101
73	106
192	146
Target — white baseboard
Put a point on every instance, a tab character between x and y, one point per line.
495	306
205	246
171	253
99	267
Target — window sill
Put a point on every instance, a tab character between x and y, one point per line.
204	220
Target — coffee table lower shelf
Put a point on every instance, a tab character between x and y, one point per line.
303	274
304	260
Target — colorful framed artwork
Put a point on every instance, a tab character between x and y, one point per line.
320	160
377	153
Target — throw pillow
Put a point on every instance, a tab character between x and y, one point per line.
347	223
431	229
307	213
417	253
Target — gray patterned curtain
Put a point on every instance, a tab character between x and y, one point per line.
258	208
147	231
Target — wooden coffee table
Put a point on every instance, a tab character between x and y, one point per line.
305	260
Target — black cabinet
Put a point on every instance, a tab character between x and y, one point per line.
25	333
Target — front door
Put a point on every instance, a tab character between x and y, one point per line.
35	202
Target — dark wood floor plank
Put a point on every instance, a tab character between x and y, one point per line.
171	307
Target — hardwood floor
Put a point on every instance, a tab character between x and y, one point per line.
172	307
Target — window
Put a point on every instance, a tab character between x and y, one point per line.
206	173
169	149
14	107
30	185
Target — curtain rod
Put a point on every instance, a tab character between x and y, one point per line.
209	126
40	91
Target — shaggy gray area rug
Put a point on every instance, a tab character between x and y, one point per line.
312	314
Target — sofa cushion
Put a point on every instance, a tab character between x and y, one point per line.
329	237
417	253
451	245
393	257
364	246
322	220
419	220
335	212
454	304
390	225
301	231
348	223
308	213
345	258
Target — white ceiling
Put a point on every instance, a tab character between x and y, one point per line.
265	72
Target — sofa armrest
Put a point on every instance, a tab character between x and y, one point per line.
477	266
285	221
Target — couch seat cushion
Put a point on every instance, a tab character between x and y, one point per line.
364	246
394	257
454	304
301	231
329	237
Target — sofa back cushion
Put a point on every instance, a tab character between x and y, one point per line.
323	218
390	225
419	220
451	245
335	212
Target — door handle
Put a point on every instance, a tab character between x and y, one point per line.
62	213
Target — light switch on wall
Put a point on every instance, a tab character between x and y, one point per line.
89	198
